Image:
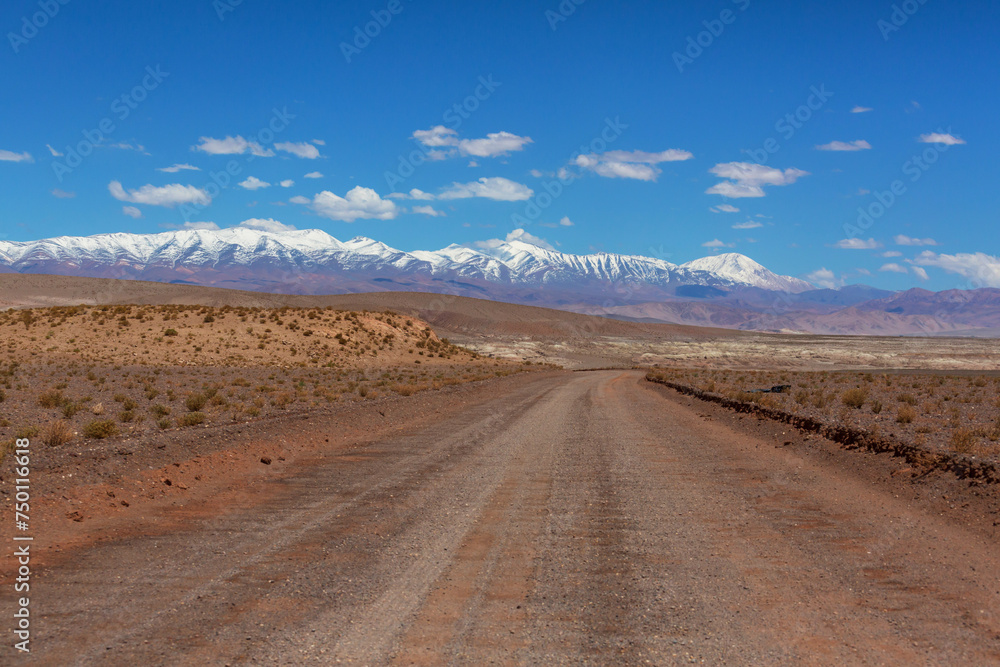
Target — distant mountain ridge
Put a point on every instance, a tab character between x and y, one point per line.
727	290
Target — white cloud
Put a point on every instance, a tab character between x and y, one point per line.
920	272
565	222
940	138
906	240
54	152
254	183
359	203
716	243
168	195
861	109
494	145
536	173
266	225
132	212
196	226
319	142
9	156
287	183
724	208
980	269
749	224
415	193
891	253
857	145
823	278
178	167
893	267
857	244
62	194
231	146
637	165
428	210
299	199
313	174
303	150
496	188
126	146
437	136
735	190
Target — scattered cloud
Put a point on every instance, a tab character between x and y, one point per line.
515	235
428	210
857	244
358	203
891	253
496	188
749	224
132	212
746	179
940	138
231	146
313	174
980	269
178	167
200	226
920	272
319	142
9	156
168	195
266	225
495	144
254	183
537	173
62	194
303	150
287	183
724	208
861	109
565	222
415	193
716	243
906	240
893	268
54	152
857	145
637	165
823	278
126	146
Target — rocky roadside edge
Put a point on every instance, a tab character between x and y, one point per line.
961	465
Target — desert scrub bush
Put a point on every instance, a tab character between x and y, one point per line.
171	332
163	423
191	419
160	410
97	409
906	415
26	433
100	429
69	409
51	399
195	402
57	433
963	441
854	398
876	407
908	399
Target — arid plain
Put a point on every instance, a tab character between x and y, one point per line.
418	478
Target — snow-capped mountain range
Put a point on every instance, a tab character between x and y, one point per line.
312	261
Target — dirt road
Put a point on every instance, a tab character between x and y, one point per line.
587	517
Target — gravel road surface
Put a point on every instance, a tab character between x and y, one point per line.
587	518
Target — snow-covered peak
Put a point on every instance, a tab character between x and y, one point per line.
743	270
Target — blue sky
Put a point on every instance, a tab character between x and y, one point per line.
489	106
